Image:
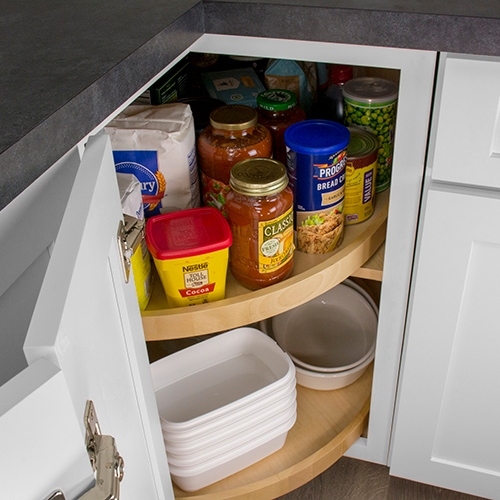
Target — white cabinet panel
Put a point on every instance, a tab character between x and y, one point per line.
449	406
85	342
43	448
28	227
467	124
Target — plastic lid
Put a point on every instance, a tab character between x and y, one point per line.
370	90
340	74
233	117
362	143
317	137
258	177
276	99
187	233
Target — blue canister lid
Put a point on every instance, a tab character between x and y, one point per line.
317	137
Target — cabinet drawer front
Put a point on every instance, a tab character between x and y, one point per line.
466	129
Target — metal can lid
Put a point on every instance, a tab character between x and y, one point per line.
362	143
233	117
276	99
258	177
370	90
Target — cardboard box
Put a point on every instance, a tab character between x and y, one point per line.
234	86
172	86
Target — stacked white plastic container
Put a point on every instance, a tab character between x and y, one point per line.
224	404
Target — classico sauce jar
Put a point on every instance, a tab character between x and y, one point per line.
277	109
260	214
233	135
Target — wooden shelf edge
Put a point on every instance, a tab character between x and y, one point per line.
234	311
373	268
296	475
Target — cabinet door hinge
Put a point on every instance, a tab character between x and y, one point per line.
104	457
130	231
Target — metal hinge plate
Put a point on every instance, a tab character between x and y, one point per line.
104	457
129	235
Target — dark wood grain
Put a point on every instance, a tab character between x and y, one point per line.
350	479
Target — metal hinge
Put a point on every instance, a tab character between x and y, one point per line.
129	236
58	495
104	457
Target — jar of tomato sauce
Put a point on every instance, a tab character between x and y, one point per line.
277	109
233	135
260	213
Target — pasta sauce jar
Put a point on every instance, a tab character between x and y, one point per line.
260	214
233	135
277	109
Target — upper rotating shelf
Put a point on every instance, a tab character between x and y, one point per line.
312	275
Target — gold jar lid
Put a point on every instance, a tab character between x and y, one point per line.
258	177
233	117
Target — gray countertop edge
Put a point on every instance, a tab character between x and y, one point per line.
409	30
36	150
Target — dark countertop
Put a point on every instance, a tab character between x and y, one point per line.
66	66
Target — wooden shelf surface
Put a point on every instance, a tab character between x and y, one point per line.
312	275
328	423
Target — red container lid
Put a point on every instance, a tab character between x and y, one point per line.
187	233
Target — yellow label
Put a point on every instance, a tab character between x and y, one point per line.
332	197
141	267
247	81
359	192
194	280
276	242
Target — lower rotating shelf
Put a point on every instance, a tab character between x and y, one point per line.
328	423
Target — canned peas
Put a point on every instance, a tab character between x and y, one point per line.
370	103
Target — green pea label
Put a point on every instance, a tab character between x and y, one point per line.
379	120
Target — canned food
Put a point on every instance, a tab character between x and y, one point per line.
360	176
370	103
316	157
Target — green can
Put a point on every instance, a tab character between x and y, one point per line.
370	103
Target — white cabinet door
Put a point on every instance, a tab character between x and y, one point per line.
85	342
467	123
448	409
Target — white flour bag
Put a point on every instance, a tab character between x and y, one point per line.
157	145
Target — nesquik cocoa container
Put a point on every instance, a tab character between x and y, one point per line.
190	250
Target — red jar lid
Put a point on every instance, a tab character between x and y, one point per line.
187	233
340	73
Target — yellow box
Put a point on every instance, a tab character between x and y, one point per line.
190	249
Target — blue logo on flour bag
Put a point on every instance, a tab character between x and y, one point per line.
144	165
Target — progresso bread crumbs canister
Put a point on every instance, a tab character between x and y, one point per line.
360	177
316	158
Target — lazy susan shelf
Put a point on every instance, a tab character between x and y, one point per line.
312	275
